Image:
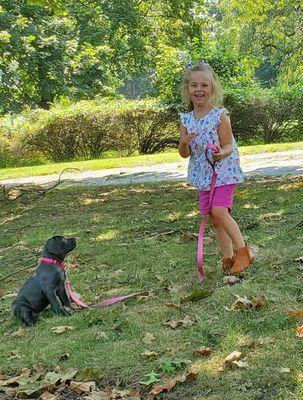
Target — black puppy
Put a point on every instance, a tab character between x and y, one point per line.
47	285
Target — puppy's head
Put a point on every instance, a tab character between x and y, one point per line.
59	246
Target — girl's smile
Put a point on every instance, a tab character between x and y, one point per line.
199	89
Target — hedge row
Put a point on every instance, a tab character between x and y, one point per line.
88	129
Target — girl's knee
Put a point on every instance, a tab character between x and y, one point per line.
219	214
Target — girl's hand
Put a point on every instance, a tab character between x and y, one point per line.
220	154
188	138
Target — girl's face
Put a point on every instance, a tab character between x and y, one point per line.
199	89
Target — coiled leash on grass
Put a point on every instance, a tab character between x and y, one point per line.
209	150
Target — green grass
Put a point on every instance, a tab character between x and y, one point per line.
128	240
106	163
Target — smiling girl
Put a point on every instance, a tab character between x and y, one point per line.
207	123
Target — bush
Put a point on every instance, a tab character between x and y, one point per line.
88	129
266	115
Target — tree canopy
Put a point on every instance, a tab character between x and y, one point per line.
85	49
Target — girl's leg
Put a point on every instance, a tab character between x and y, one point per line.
222	221
224	240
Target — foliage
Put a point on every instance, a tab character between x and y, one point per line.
88	129
266	115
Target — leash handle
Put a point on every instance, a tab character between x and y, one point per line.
210	148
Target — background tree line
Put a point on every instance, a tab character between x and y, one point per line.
67	51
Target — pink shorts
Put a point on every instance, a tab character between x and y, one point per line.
223	197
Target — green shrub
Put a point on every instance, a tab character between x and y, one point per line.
88	129
266	115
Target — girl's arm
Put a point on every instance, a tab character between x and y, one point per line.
184	143
226	138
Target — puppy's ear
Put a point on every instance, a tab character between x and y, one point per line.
54	245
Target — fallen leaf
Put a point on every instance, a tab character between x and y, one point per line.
295	314
243	303
173	366
47	396
230	280
170	384
95	395
240	364
175	348
148	338
82	387
62	329
149	354
300	259
152	378
173	324
203	351
19	332
172	305
299	331
234	356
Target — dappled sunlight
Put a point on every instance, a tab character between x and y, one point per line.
291	186
109	235
193	214
209	365
88	201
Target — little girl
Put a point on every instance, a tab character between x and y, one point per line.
207	124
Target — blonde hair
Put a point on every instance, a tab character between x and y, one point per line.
217	93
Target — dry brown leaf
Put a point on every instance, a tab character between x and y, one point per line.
95	395
172	305
47	396
148	338
149	354
173	324
243	303
299	331
299	259
203	351
170	384
62	329
234	356
82	387
295	314
175	348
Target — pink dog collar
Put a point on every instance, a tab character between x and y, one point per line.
53	261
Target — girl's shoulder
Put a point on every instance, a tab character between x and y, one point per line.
221	110
185	118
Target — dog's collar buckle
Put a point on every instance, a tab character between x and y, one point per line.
52	261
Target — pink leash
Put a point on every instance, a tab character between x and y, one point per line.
213	149
75	298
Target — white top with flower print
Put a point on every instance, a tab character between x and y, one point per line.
199	170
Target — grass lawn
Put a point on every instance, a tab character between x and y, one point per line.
128	241
133	161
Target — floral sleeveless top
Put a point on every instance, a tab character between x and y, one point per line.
199	170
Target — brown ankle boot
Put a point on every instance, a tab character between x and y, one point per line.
242	259
226	265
